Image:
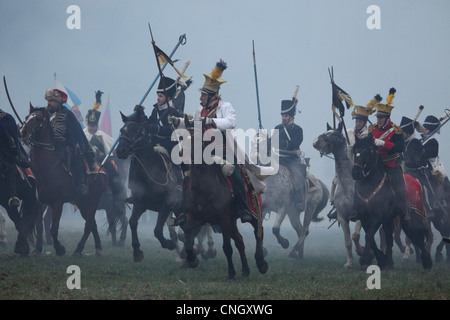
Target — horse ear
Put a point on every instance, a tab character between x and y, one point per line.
31	108
124	118
328	127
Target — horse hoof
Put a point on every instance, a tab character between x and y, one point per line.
212	253
138	257
60	251
293	255
77	254
284	244
245	274
264	267
98	252
438	257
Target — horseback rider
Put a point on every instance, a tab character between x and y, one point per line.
359	131
12	153
413	161
101	143
290	139
388	137
431	156
69	139
218	114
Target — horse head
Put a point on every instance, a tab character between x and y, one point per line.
365	157
133	136
34	121
330	141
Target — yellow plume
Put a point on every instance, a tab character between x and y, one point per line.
96	106
390	96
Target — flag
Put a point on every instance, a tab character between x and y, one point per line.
164	58
340	95
73	102
105	125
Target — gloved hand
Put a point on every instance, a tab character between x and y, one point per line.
379	142
173	121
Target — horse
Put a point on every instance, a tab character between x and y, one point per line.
208	198
375	203
438	213
54	182
333	142
25	216
152	187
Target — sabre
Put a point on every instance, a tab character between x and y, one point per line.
181	41
10	102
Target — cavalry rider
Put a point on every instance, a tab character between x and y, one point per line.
290	139
388	137
69	139
219	114
11	153
359	131
431	154
413	161
101	143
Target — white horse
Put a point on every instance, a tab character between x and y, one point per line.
278	197
333	142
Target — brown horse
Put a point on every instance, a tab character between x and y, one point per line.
55	184
209	199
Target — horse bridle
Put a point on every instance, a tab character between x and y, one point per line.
363	167
31	141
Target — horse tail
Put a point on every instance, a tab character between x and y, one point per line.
322	203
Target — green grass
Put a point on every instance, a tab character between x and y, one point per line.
114	275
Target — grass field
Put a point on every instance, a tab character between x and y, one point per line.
114	275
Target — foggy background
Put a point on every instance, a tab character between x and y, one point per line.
295	42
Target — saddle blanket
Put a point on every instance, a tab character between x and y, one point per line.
414	196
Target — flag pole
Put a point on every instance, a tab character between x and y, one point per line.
181	41
256	83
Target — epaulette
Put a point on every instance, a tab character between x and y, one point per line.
373	125
397	129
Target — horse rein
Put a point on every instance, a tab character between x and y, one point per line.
33	142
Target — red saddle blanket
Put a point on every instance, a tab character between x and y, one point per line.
414	195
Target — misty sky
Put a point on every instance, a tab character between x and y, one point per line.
295	41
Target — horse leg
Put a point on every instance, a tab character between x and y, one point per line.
39	225
261	263
276	228
228	250
56	216
136	213
211	250
173	233
356	235
239	243
97	241
159	227
389	239
294	218
123	229
88	226
190	231
47	221
371	247
397	236
348	241
3	239
110	215
407	251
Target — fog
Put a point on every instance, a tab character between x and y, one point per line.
404	44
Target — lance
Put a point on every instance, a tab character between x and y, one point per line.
256	83
181	41
10	102
446	117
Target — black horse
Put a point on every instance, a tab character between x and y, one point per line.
375	203
24	218
152	187
209	199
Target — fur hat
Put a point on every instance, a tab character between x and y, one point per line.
56	94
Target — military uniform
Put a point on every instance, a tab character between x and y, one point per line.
391	143
69	139
11	153
101	144
220	115
290	139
